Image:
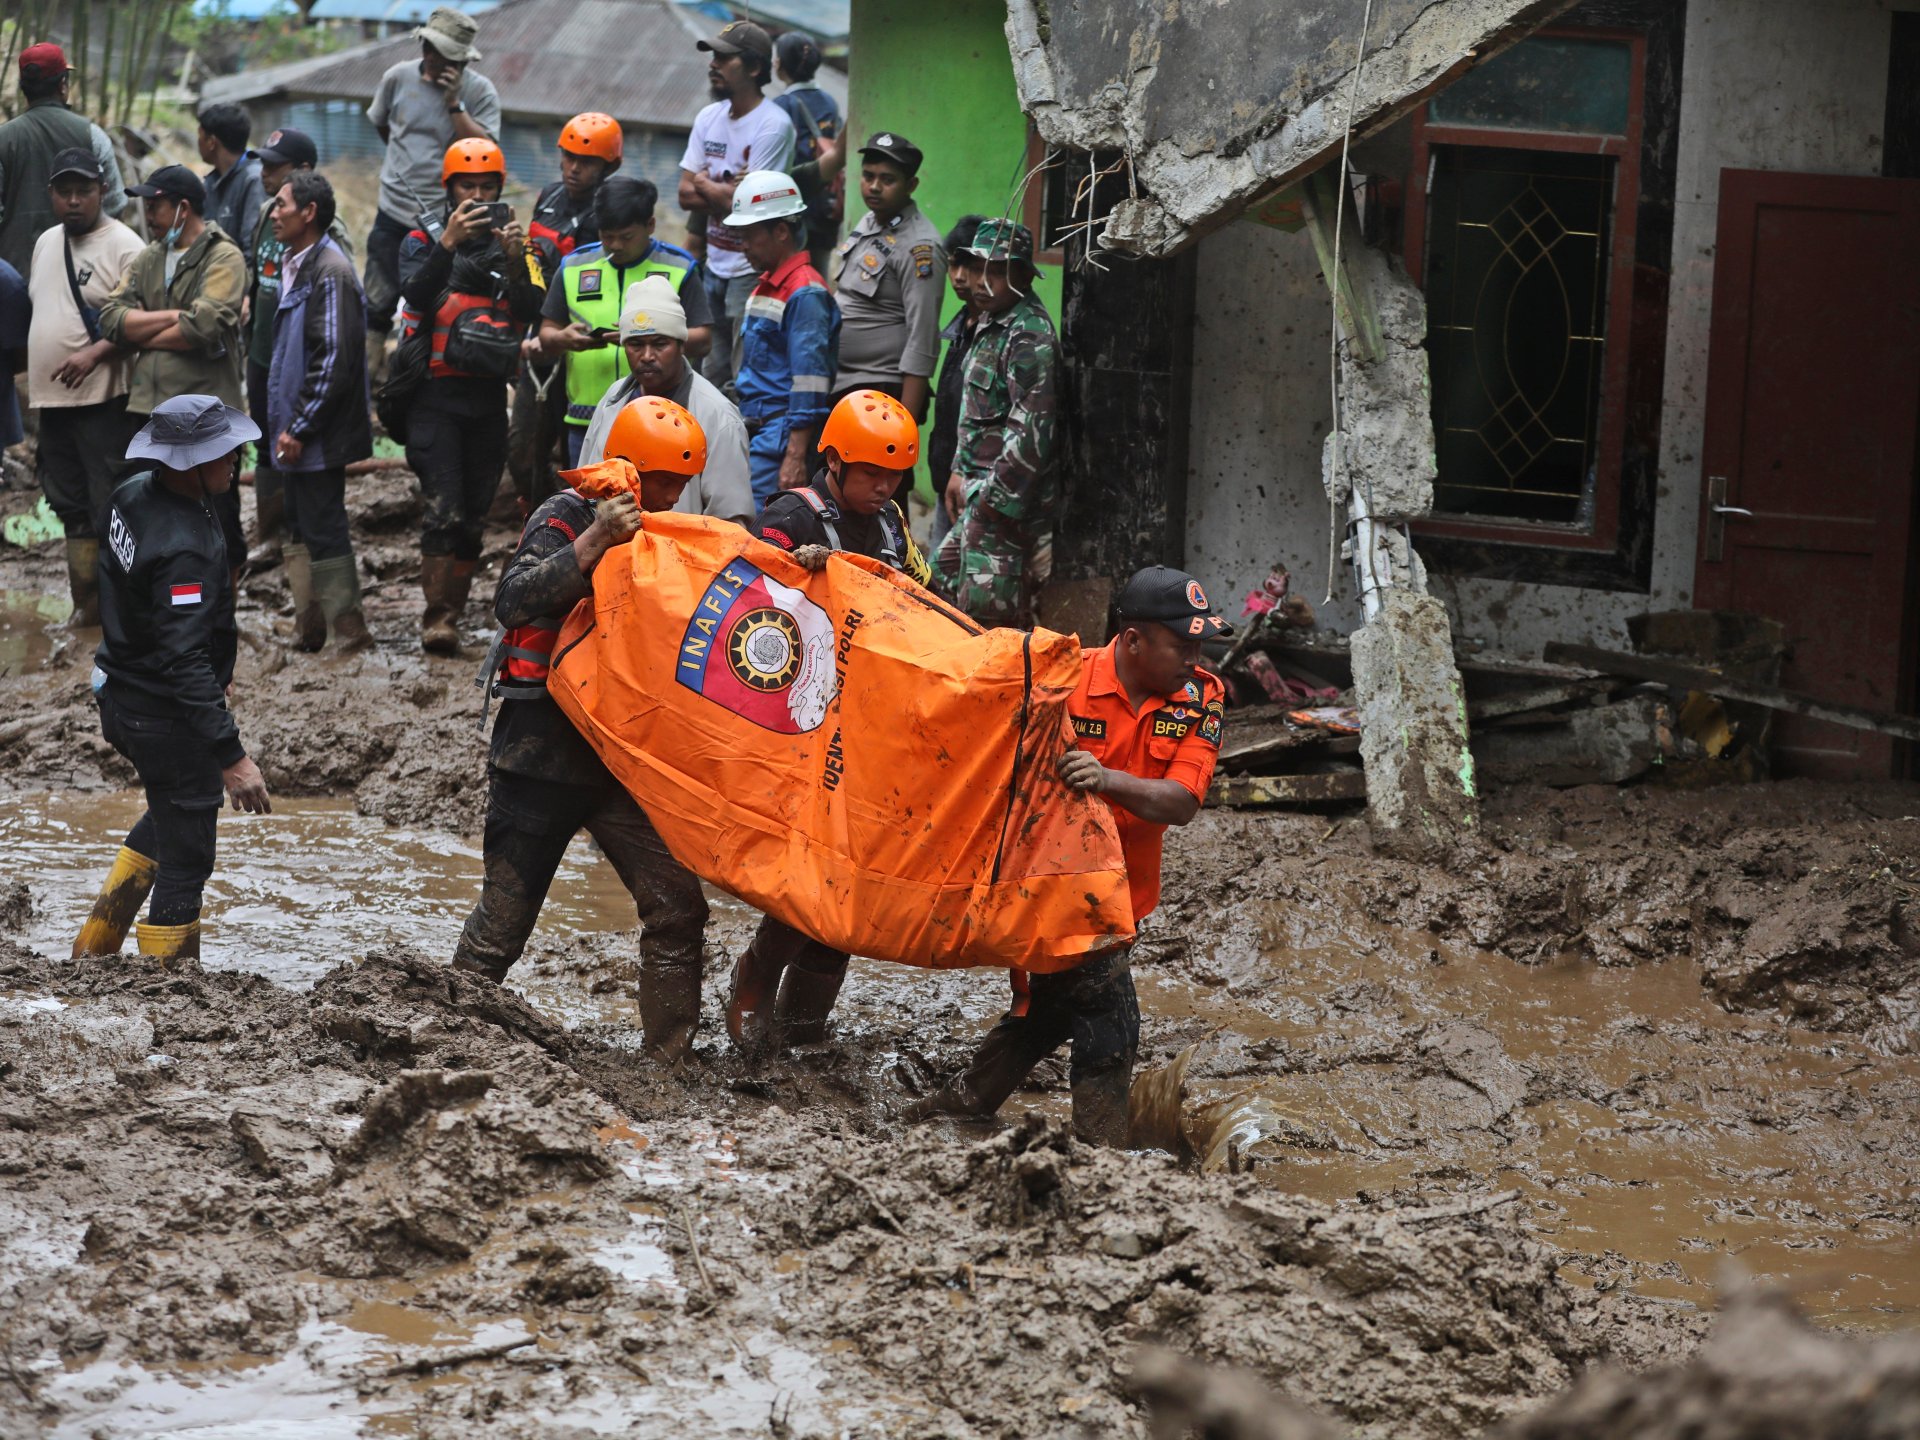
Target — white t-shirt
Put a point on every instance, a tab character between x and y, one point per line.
726	148
101	258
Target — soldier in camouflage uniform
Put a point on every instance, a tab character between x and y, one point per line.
1006	482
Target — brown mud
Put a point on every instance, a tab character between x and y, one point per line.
1450	1135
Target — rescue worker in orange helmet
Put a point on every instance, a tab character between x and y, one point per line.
591	147
475	287
1146	721
785	985
544	782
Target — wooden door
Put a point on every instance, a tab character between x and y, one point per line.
1813	392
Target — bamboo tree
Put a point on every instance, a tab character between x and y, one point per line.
138	19
148	21
169	8
106	63
82	91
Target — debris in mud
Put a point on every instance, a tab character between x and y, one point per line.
281	1171
1762	1372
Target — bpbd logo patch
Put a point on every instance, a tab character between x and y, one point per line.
760	649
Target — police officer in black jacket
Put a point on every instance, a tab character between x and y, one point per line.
162	671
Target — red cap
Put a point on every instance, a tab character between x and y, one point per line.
45	61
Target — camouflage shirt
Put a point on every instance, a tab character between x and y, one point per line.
1010	423
999	552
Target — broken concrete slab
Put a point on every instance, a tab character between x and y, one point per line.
1420	773
1217	106
1603	745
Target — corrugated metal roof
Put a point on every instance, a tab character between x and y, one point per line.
633	59
388	12
822	19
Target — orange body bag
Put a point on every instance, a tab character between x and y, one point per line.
842	750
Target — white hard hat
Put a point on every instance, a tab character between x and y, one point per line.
765	195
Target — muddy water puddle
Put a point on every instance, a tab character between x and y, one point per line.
1650	1134
31	626
1671	1145
295	891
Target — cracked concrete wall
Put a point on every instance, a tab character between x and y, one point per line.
1768	84
1219	102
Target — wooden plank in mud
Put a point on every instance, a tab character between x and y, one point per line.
1236	791
1678	676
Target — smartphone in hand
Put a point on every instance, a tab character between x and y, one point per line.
498	213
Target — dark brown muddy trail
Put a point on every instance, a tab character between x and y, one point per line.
1452	1135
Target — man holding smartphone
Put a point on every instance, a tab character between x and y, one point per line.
581	317
475	287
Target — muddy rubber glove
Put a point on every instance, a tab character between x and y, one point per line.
814	557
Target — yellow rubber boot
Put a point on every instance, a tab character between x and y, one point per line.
128	884
171	945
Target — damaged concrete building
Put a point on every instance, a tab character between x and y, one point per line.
1627	323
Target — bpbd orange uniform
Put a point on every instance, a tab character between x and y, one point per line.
1170	737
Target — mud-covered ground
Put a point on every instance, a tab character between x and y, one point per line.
1448	1135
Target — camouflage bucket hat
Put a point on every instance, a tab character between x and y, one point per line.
1002	240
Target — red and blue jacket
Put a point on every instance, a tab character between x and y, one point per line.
789	346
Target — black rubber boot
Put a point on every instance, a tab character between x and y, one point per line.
806	999
669	1011
751	999
1100	1102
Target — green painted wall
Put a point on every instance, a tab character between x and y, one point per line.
938	72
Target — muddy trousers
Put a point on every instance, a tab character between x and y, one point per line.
79	461
316	511
533	435
529	825
184	791
458	459
1091	1008
785	987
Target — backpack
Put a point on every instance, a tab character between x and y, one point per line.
484	341
406	374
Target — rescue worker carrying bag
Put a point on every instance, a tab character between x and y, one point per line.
841	749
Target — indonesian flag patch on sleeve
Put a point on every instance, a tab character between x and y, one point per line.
186	594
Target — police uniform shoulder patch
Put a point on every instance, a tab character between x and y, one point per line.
590	282
120	540
923	260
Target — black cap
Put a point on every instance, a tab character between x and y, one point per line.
75	161
1172	598
176	182
895	147
288	146
742	36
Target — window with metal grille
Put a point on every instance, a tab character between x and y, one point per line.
1520	230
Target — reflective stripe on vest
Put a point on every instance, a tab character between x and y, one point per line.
591	373
526	651
450	310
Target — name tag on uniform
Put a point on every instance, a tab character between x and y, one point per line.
186	594
1088	729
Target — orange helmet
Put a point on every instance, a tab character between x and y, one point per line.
592	134
473	157
870	427
655	434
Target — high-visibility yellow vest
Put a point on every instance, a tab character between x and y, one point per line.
594	285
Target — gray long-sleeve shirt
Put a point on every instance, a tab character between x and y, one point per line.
889	279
